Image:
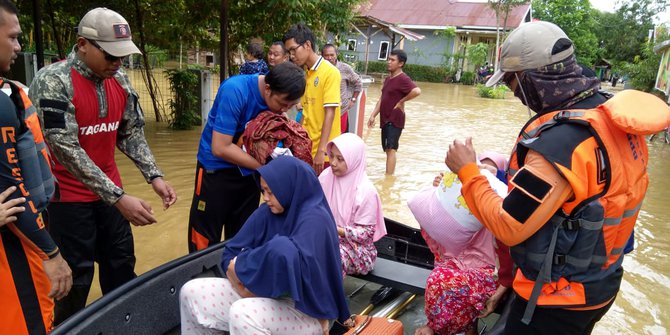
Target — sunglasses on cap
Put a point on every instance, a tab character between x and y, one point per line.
108	57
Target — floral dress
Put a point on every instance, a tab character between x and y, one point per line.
357	249
455	294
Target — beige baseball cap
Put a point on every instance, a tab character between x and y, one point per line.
531	46
110	30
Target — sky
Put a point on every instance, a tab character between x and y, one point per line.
610	6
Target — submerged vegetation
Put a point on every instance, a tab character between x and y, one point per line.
496	92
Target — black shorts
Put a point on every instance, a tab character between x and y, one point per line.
553	321
222	200
390	136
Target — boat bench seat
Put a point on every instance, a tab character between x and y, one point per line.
402	276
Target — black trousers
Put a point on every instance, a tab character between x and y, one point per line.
89	232
222	200
553	321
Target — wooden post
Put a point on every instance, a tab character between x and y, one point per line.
223	43
39	42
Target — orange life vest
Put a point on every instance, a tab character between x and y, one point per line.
574	260
33	157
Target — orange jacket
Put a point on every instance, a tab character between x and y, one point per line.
577	179
26	165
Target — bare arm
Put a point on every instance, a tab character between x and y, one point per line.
371	121
223	147
320	157
235	281
415	92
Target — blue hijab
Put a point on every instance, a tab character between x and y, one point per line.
296	253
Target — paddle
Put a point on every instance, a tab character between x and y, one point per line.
383	294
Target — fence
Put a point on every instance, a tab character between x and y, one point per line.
162	85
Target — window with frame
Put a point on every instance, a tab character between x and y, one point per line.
351	44
383	50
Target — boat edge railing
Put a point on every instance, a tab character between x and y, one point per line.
86	320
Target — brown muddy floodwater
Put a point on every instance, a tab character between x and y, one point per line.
442	112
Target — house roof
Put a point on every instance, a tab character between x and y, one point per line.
408	34
439	13
661	46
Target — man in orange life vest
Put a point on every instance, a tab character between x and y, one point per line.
88	108
577	177
32	270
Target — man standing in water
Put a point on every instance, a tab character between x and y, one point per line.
321	101
88	107
398	88
577	180
350	85
32	269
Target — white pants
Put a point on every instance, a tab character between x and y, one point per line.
211	305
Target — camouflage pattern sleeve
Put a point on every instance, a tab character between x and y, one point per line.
51	93
130	135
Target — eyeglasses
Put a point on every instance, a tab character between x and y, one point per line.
108	57
291	51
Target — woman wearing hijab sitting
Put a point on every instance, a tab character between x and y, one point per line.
283	267
354	202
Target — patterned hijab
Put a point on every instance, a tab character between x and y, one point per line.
555	86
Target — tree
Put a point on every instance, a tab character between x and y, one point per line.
477	54
269	20
577	19
622	35
643	70
502	9
167	24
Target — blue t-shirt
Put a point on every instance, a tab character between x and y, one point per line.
237	102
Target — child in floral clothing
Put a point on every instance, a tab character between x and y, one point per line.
462	285
354	202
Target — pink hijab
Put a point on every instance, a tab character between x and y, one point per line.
343	192
499	159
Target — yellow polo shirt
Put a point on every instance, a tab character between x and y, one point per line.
323	90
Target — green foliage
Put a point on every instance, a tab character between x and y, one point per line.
270	19
162	21
642	73
502	9
448	32
576	18
622	34
157	57
496	92
468	78
643	70
193	23
425	73
477	54
184	106
373	67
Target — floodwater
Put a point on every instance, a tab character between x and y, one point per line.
442	113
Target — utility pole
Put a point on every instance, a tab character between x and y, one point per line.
39	43
223	43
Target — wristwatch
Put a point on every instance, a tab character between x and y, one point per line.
353	98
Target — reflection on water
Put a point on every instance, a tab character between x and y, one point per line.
442	113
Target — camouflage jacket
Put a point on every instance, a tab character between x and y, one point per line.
54	83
